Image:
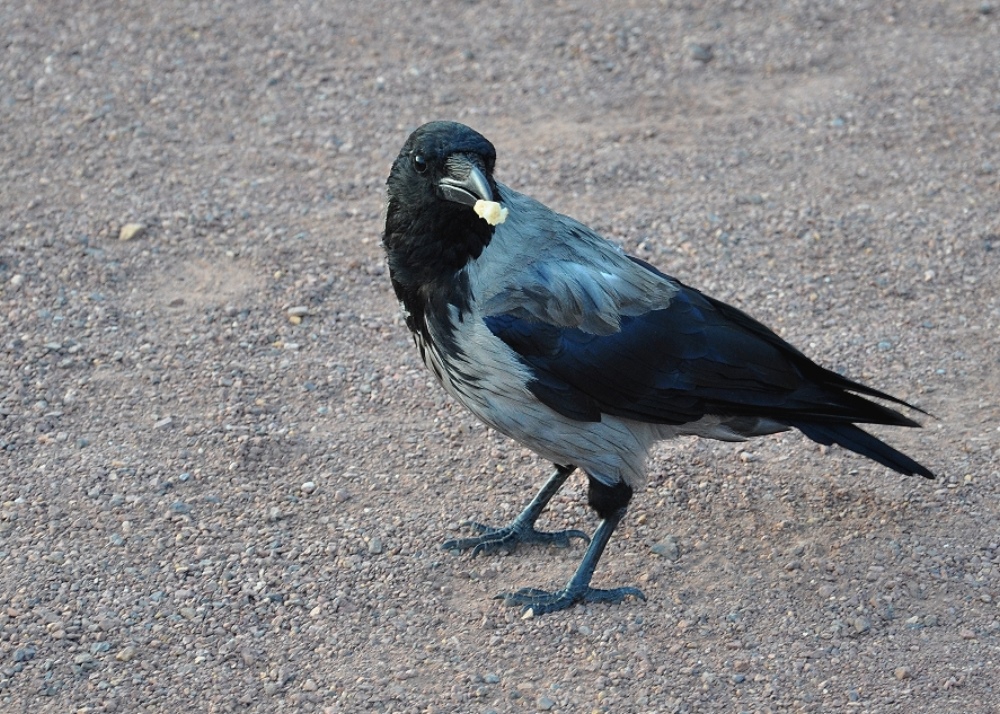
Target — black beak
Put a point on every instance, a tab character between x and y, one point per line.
465	181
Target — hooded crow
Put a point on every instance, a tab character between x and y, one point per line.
554	336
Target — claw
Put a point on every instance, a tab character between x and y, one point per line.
478	527
508	538
542	601
578	588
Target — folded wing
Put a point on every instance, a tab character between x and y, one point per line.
693	358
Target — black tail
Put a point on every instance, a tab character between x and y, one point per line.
859	441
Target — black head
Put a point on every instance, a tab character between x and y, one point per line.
430	228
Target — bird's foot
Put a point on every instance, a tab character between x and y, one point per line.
542	601
506	539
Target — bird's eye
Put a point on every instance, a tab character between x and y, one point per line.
419	163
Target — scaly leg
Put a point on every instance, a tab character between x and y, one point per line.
522	528
578	588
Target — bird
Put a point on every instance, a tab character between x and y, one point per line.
557	338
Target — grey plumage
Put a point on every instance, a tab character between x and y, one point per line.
555	337
535	275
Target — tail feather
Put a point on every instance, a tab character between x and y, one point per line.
859	441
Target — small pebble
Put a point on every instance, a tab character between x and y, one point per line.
902	673
701	52
668	548
375	546
308	487
24	654
544	704
131	231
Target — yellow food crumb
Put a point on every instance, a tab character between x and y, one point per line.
490	211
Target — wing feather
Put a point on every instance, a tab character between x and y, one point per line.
677	364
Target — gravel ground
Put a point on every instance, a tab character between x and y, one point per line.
225	474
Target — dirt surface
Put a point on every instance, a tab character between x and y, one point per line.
226	475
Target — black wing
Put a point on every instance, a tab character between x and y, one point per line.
697	357
675	365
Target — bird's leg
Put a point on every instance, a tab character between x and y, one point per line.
611	503
578	588
522	528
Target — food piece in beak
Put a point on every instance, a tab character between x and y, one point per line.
490	211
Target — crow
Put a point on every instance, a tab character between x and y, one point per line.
551	334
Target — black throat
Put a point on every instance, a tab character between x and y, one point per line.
426	252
